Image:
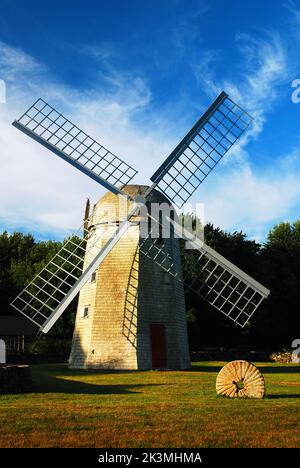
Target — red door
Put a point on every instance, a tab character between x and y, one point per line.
158	346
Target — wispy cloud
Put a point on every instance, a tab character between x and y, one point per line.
38	190
14	63
294	10
186	29
241	196
263	66
42	193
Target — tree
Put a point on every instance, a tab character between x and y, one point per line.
276	264
210	326
24	269
280	267
13	248
284	235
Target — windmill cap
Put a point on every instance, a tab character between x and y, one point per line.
113	208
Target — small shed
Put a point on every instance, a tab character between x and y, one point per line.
17	332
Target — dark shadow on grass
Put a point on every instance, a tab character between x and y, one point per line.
285	395
280	370
215	369
263	369
53	384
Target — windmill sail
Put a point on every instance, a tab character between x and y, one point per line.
213	277
52	130
201	149
210	275
41	296
222	284
45	299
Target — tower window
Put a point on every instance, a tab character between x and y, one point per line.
84	312
93	277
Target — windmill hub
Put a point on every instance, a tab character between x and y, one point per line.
139	201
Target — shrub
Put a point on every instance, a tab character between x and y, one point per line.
283	357
54	350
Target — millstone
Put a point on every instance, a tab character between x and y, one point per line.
240	379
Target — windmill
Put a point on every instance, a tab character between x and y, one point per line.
131	312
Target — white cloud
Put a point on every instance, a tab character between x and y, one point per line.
43	193
37	189
238	196
263	67
14	62
295	17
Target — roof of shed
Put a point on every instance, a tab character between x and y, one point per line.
14	325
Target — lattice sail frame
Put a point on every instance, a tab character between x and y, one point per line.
222	284
45	315
40	298
50	128
201	149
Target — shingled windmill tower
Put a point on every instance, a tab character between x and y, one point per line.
131	312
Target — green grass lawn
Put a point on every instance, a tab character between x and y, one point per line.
150	409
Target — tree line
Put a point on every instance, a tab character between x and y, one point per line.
275	263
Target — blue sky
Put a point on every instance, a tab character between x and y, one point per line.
136	75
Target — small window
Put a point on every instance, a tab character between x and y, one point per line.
93	277
84	312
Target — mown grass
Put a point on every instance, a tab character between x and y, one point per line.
150	409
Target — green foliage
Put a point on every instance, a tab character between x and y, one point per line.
21	259
285	235
56	349
280	266
13	248
191	315
276	264
24	269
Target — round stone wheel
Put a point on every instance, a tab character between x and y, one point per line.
240	379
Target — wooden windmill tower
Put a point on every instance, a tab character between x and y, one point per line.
131	312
